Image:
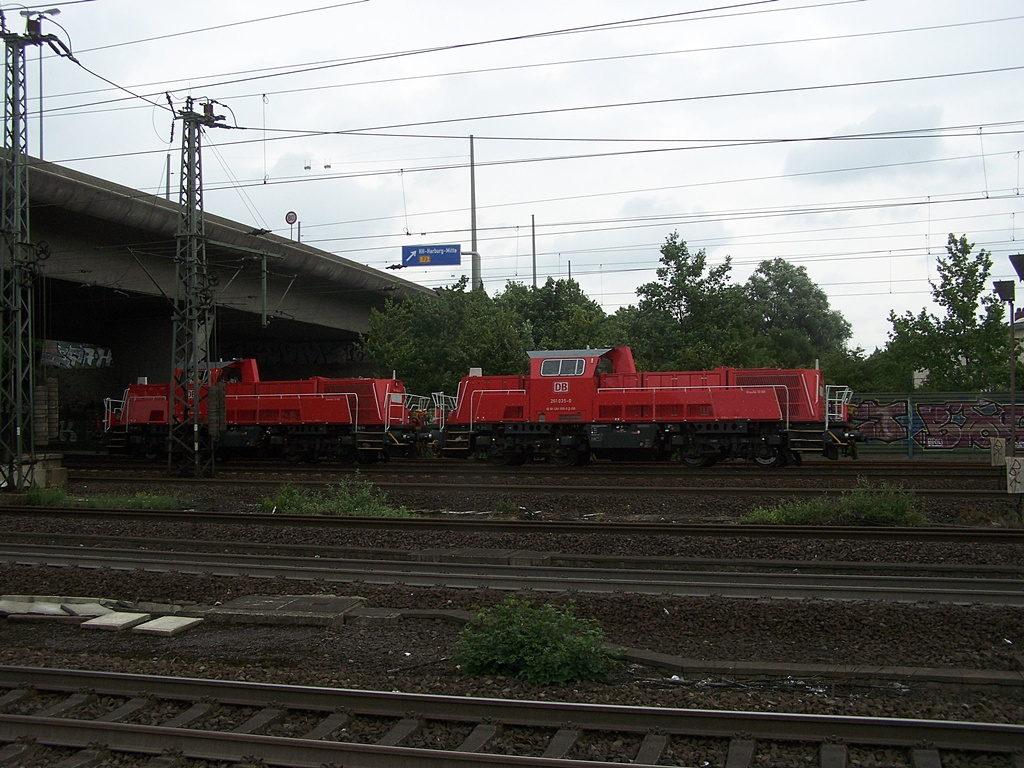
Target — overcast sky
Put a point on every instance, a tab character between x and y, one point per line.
847	137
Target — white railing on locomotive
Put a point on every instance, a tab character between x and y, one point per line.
419	408
477	396
836	396
783	402
351	401
112	407
125	411
442	405
396	412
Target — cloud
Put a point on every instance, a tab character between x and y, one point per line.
879	154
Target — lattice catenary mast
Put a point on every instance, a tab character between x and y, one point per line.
189	443
19	260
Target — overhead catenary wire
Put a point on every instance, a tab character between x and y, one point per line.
217	81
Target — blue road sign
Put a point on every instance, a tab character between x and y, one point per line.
431	255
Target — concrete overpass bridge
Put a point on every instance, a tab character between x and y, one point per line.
102	303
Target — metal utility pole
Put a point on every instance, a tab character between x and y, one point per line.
476	278
533	239
19	259
189	440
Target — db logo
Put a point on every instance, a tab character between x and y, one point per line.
561	386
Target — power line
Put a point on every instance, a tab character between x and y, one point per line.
217	82
220	26
655	102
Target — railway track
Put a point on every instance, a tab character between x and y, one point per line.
211	720
423	484
461	524
517	570
840	474
553	489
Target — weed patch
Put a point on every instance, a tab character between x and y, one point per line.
350	498
862	505
542	645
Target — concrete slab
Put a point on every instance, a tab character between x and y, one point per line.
286	609
50	605
46	609
85	609
116	621
166	626
47	618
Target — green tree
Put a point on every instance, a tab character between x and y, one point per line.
691	317
794	314
432	342
967	348
557	315
881	371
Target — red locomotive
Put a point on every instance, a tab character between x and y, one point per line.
310	419
578	404
574	405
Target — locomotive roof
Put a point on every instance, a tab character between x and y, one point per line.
571	352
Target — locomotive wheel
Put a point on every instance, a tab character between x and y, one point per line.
497	457
697	460
769	456
564	457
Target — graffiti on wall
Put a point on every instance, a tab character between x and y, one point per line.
70	354
938	426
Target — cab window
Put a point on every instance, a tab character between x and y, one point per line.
563	367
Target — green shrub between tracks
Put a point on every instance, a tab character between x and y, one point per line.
542	645
861	505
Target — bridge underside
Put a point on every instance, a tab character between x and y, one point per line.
106	279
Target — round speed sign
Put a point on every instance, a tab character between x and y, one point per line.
291	217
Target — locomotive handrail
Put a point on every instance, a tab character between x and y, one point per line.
443	405
422	402
836	396
125	411
477	396
784	409
349	396
389	398
112	407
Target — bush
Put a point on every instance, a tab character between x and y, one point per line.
141	500
56	497
862	505
51	496
355	498
540	645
